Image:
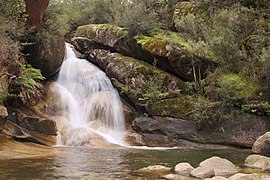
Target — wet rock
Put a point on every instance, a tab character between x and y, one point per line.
219	167
216	178
183	169
241	176
258	162
136	139
262	145
156	168
177	177
46	55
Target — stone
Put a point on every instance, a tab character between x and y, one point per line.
135	139
31	126
221	167
241	176
183	169
3	116
109	37
202	172
136	79
262	145
216	178
215	166
166	126
177	177
156	168
35	10
258	162
172	54
46	55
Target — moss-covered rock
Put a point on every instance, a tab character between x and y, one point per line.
173	54
174	107
109	37
137	80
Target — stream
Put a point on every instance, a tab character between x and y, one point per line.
103	164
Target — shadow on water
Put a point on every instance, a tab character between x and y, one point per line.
85	163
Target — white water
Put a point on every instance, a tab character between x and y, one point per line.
89	104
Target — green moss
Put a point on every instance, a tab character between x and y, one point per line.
175	107
161	42
91	30
236	87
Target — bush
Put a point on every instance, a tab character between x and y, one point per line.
233	88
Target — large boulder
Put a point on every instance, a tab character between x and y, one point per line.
236	129
107	36
166	49
173	54
35	10
30	125
262	145
46	55
215	166
138	81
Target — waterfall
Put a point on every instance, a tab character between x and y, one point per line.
89	104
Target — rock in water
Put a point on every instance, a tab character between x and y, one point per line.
262	145
183	169
217	165
258	162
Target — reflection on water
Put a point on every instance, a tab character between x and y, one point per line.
85	163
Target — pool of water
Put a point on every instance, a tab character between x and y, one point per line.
86	163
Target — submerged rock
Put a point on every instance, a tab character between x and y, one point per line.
177	177
215	166
258	162
216	178
156	169
241	176
262	145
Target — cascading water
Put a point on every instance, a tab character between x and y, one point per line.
89	104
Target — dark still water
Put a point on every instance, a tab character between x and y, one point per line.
85	163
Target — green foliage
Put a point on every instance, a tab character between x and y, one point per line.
233	88
262	108
12	10
205	113
26	86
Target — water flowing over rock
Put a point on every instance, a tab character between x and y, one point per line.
89	104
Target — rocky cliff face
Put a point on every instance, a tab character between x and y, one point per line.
148	71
